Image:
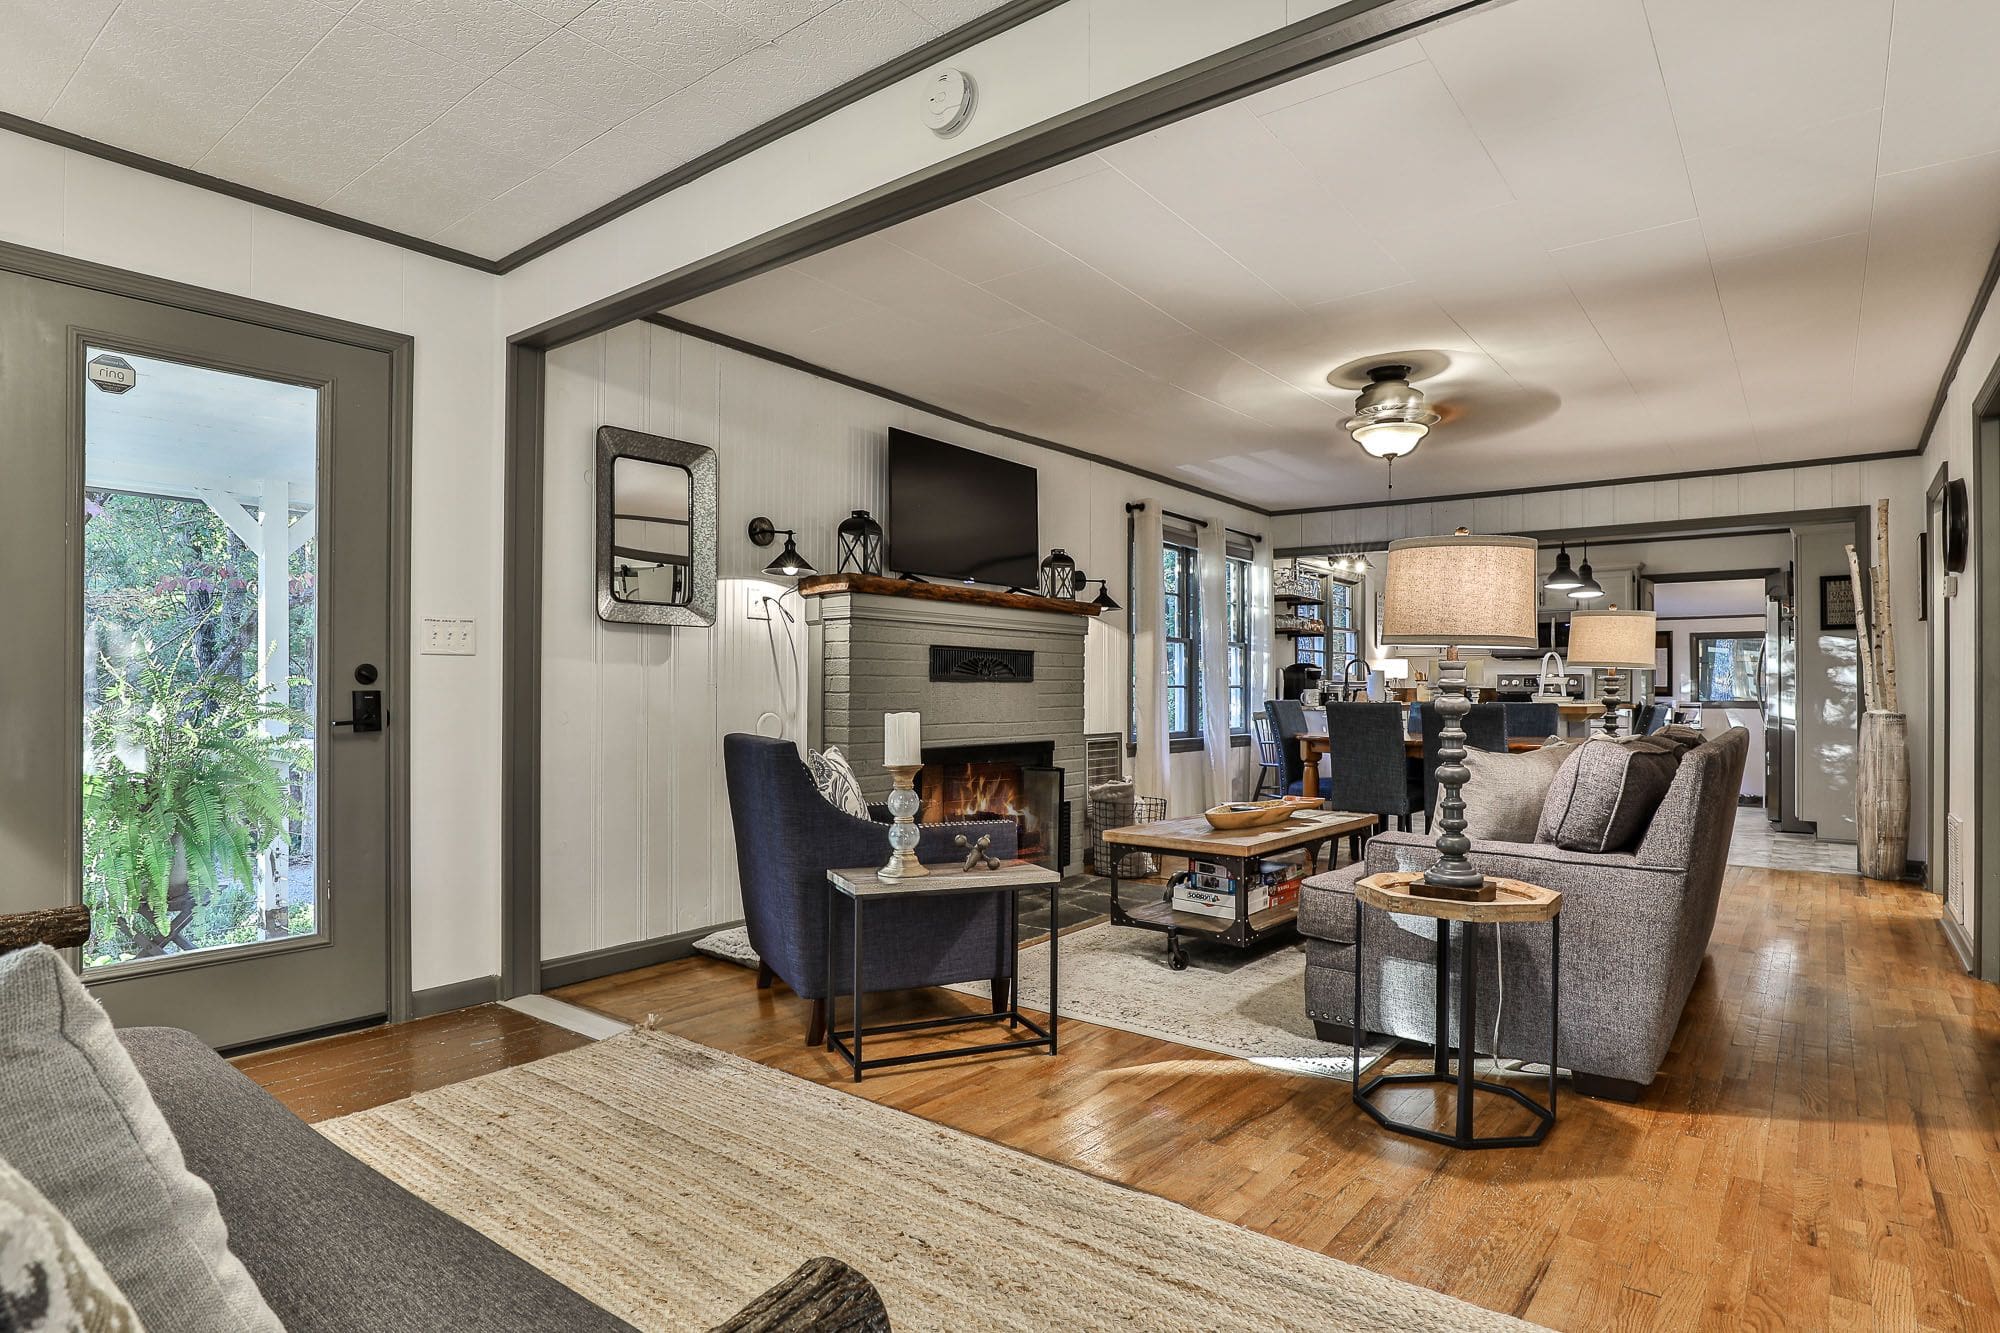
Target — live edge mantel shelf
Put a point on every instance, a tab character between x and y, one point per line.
825	585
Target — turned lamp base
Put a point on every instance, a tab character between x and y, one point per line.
903	834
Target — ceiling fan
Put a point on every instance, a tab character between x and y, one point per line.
1404	394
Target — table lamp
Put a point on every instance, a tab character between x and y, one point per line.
1454	592
1617	640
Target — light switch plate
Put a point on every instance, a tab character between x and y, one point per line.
449	637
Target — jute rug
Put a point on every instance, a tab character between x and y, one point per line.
1249	1003
671	1183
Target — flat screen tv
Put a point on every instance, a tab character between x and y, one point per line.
959	514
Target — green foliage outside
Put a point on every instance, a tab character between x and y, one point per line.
180	758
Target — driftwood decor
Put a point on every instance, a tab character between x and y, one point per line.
1882	804
57	927
823	1295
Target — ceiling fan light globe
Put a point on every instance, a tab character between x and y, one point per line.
1388	439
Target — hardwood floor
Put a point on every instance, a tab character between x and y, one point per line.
1819	1153
357	1070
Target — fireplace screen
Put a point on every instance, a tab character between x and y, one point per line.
1028	793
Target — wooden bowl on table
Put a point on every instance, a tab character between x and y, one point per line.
1256	814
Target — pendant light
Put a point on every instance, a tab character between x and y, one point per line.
1562	578
1588	589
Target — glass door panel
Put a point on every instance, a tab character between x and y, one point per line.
200	661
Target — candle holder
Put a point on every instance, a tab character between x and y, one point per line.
903	835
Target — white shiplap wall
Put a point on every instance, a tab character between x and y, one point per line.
636	840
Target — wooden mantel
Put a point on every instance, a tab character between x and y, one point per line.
824	585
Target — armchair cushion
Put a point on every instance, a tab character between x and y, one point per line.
1605	793
834	777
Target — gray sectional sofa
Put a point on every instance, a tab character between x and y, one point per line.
1635	928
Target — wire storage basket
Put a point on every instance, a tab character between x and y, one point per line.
1120	811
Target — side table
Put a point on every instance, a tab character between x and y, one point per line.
862	885
1514	902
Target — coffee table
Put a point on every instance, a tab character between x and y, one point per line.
861	885
1241	851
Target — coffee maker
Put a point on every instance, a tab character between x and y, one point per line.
1296	679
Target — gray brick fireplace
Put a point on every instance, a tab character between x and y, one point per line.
1000	687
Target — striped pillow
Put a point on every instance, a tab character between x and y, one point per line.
834	777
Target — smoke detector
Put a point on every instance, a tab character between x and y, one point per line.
949	95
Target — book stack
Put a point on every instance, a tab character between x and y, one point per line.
1210	889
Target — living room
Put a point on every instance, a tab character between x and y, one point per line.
614	497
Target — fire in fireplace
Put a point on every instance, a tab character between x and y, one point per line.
998	783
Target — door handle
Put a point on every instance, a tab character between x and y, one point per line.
367	712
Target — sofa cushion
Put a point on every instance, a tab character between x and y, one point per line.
1326	904
1682	738
1506	792
49	1278
1605	793
78	1121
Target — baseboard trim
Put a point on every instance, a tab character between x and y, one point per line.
624	957
454	995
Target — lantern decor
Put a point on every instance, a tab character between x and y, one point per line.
859	538
1059	576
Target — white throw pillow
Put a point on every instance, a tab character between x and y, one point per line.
834	777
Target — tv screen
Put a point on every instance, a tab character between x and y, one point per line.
958	514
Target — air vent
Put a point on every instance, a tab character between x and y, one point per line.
1954	869
1103	758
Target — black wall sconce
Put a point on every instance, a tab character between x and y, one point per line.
1103	600
859	539
789	564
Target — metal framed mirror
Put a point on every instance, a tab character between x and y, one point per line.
656	515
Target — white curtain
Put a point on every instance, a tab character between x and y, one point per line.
1211	570
1263	660
1149	656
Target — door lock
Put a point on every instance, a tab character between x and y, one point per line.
367	712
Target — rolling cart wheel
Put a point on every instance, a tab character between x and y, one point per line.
1177	960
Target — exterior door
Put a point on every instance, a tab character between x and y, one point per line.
198	527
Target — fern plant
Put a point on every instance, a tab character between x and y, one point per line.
181	764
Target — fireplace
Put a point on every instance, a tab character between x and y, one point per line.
1016	782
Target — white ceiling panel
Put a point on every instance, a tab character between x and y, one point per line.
480	124
1633	249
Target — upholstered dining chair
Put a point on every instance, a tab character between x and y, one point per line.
1372	771
788	836
1532	721
1485	729
1288	723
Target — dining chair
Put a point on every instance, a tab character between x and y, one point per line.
1288	723
1532	721
1270	765
1373	773
1485	729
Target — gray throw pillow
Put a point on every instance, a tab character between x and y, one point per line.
1605	793
50	1281
77	1121
1506	792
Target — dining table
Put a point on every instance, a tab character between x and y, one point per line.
1313	744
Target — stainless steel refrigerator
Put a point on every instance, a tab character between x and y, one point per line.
1781	697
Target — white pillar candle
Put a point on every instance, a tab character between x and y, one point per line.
902	740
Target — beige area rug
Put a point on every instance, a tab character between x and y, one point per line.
1249	1003
671	1183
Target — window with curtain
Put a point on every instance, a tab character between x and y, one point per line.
1236	585
1182	595
1728	668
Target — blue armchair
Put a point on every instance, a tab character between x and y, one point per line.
788	836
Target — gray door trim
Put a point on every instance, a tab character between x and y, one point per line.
1984	507
1326	39
401	350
